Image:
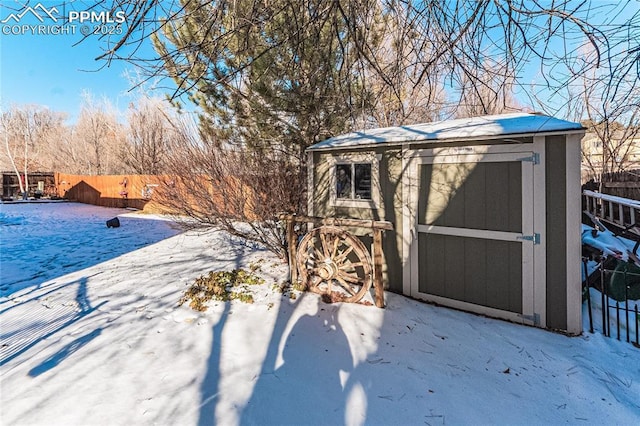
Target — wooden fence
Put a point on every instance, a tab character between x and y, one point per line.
623	184
232	198
108	191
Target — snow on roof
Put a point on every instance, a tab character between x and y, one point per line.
484	127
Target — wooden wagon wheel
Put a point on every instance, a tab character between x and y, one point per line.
333	262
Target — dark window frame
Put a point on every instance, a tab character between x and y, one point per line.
358	178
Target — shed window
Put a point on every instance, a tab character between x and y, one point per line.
353	181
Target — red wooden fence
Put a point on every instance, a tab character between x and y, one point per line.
107	191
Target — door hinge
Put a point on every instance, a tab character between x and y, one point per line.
533	158
535	238
535	318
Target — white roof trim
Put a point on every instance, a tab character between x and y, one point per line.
476	128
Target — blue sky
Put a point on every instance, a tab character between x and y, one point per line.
47	69
54	69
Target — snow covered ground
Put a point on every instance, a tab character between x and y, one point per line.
91	334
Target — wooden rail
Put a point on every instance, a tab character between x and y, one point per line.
621	212
376	226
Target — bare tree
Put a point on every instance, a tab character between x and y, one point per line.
609	107
484	93
149	135
72	154
99	132
275	77
232	188
26	133
397	57
613	129
399	93
51	157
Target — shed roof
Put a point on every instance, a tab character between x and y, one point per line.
484	127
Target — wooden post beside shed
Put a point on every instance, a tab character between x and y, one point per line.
375	227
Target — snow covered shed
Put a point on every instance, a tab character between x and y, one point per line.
486	211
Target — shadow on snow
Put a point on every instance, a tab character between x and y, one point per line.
41	242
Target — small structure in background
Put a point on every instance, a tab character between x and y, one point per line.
41	185
485	211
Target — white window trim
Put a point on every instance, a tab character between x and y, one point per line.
356	158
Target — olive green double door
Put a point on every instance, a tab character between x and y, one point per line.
473	232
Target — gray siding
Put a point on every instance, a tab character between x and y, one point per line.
483	272
556	205
391	209
391	185
484	196
480	196
320	196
